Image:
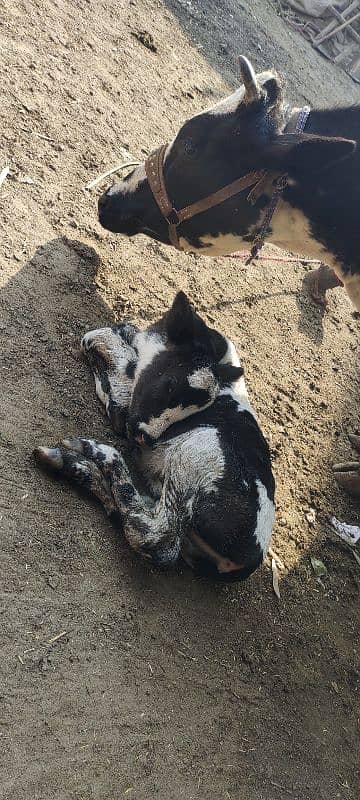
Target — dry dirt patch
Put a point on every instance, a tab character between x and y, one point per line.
160	686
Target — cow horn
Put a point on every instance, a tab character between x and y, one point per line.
252	88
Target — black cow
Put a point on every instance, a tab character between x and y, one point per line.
318	215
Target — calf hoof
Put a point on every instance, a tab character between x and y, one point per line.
77	460
50	457
95	340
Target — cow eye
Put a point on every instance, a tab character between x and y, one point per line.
190	149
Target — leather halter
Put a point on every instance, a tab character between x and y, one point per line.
154	168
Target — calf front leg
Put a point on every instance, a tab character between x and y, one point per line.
152	529
112	357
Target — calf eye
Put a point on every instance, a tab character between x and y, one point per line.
171	384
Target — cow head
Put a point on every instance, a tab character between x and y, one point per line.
240	134
183	377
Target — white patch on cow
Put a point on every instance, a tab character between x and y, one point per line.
204	378
265	518
110	453
137	177
229	104
157	425
238	387
216	246
238	392
150	462
195	461
291	231
148	344
230	356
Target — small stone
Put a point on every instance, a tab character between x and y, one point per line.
45	664
319	567
53	581
311	516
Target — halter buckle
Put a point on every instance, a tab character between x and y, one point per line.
173	218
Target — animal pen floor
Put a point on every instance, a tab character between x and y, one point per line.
117	681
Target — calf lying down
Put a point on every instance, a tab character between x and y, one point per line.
176	396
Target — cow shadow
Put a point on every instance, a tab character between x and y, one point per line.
311	315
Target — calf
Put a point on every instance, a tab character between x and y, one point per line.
176	391
253	129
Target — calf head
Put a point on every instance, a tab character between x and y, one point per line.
182	379
240	134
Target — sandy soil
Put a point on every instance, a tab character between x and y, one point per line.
116	681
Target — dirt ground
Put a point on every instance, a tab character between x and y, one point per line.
117	681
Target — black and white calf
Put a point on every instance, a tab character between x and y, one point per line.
177	391
318	215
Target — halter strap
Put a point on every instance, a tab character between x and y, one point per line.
155	175
258	179
296	125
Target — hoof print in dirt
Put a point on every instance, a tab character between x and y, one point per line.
145	38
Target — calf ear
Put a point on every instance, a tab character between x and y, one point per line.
302	154
179	320
227	373
184	326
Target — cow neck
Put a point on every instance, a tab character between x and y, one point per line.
257	179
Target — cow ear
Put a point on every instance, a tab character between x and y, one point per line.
179	320
273	92
227	373
302	154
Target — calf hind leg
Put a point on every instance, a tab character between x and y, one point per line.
112	357
148	527
70	460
